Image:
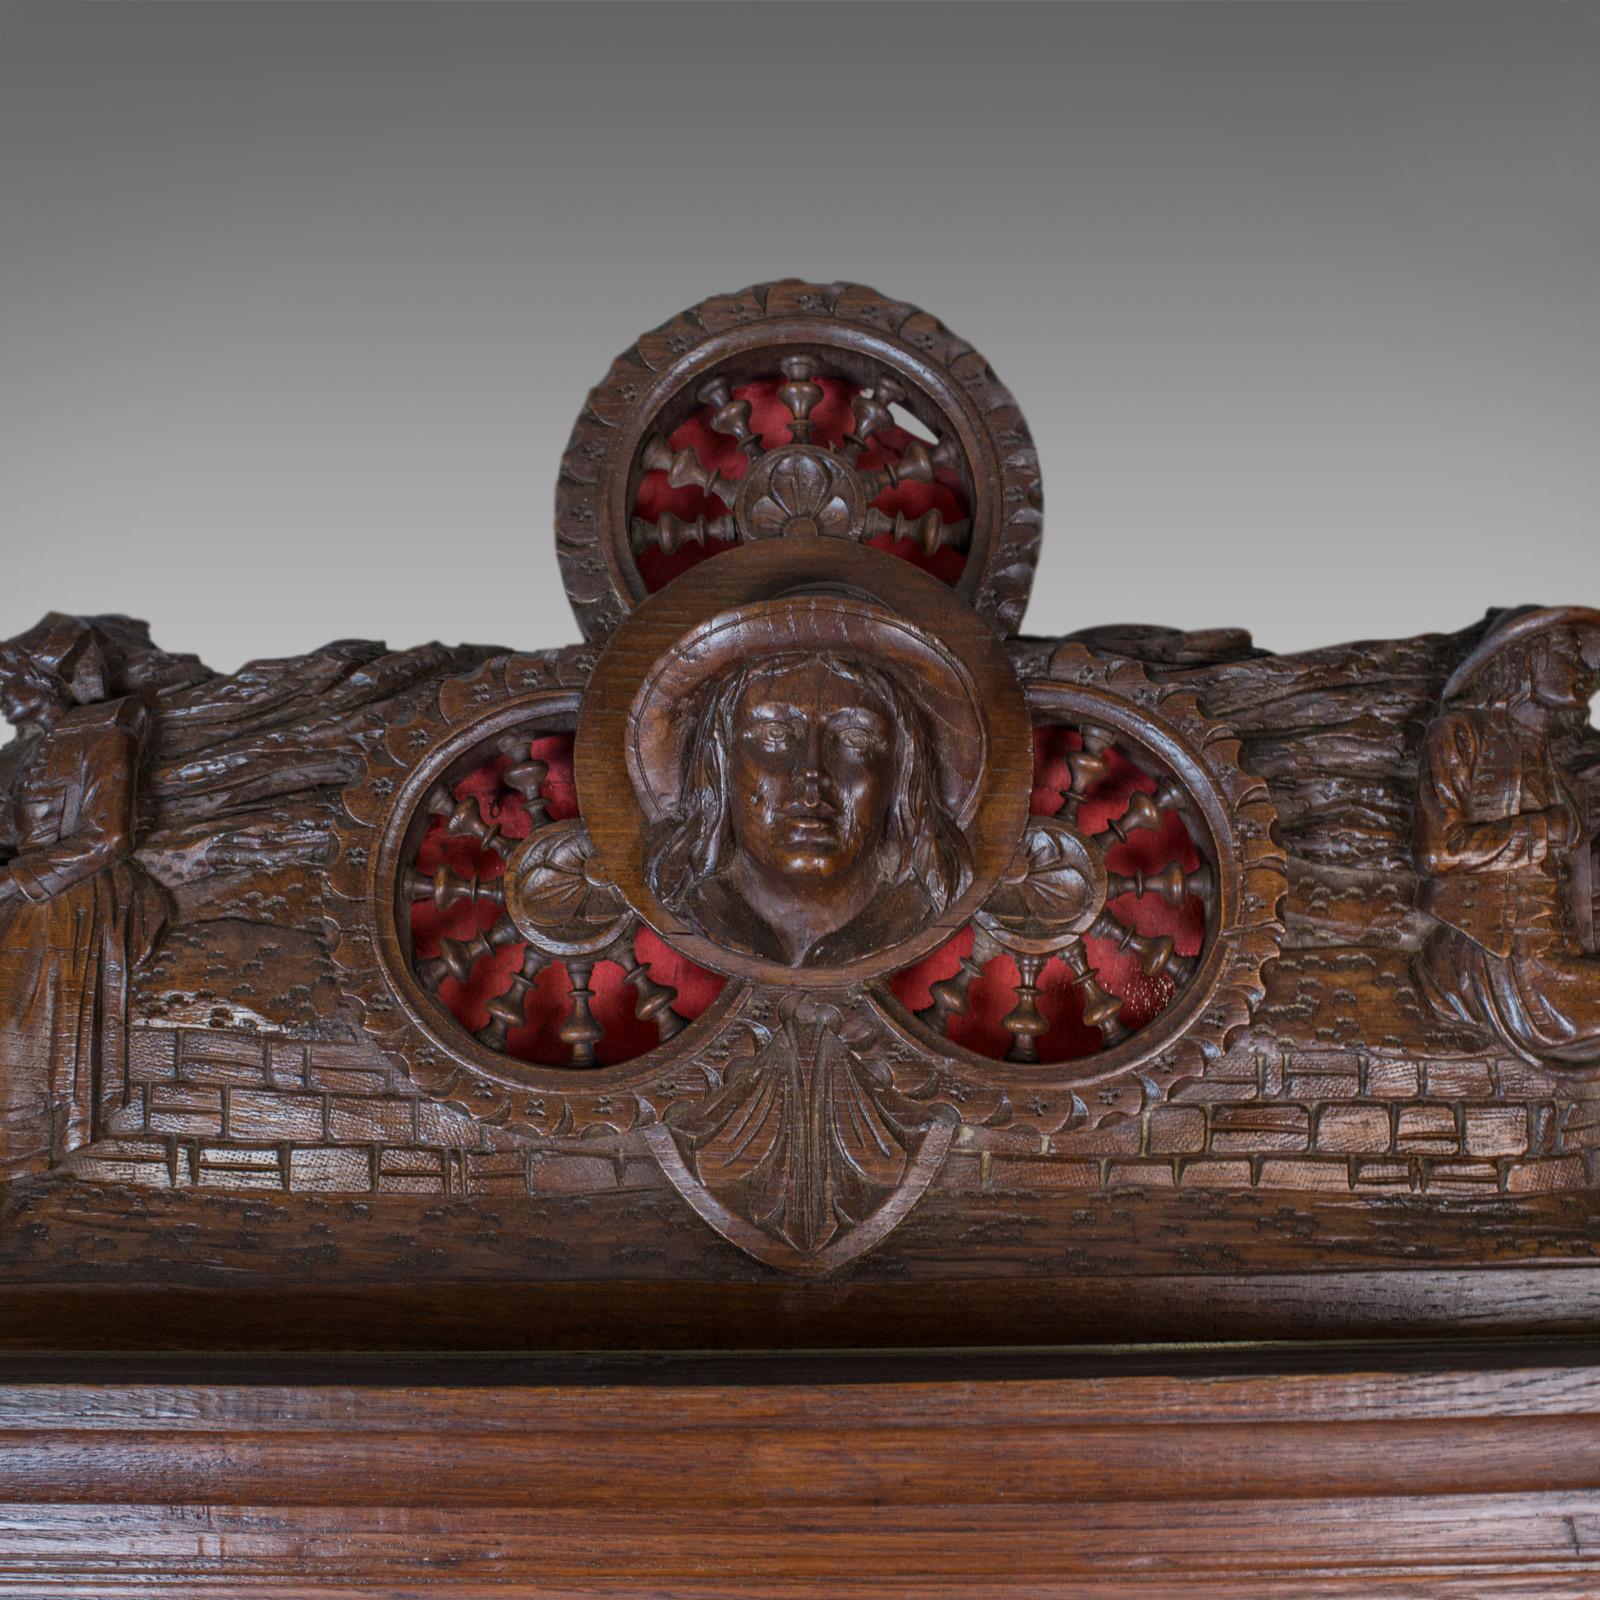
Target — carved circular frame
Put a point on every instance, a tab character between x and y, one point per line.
382	809
766	571
1251	873
742	335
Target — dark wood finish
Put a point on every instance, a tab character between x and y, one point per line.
950	779
1107	1478
806	961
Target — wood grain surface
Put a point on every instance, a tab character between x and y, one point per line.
1471	1471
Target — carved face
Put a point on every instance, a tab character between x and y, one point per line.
810	772
810	813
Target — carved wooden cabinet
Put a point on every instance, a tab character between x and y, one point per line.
808	960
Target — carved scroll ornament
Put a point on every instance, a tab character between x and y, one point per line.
806	879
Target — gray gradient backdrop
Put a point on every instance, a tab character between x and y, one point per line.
298	302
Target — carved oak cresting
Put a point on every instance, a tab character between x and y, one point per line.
805	883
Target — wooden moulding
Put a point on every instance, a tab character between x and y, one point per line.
810	1091
1423	1472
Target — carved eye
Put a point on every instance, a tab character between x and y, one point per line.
859	739
774	735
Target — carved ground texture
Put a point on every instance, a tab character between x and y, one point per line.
1341	1082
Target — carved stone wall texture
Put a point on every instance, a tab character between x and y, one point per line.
807	889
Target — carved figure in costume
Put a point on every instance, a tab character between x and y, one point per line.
809	789
76	916
1503	837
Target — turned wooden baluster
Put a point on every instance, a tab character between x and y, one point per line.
1024	1022
872	415
950	996
729	416
508	1009
1101	1009
800	394
526	776
1171	883
1140	812
930	532
1154	953
654	1000
1182	969
914	466
580	1032
467	821
1171	795
457	957
684	470
946	456
670	534
1086	768
447	889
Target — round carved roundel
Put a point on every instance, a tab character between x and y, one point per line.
1130	932
493	960
804	772
798	410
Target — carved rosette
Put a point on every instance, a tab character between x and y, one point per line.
549	902
810	343
798	492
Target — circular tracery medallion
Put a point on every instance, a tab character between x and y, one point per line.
804	771
686	450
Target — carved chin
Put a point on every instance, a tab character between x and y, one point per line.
810	863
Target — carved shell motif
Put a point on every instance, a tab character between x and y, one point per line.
803	492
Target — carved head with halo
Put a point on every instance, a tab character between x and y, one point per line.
792	766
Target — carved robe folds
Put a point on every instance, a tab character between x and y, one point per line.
75	918
1503	841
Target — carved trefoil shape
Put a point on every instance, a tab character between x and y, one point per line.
806	884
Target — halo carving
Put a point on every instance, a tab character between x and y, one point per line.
680	791
768	414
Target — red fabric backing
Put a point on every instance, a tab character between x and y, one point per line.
770	418
979	1027
547	1002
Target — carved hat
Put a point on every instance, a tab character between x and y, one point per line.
63	649
1512	627
811	623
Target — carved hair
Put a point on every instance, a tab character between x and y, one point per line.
697	841
1507	677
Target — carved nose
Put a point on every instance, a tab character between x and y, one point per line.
811	776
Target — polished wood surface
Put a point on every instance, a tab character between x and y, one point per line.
806	961
1421	1473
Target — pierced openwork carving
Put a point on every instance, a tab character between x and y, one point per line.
489	948
773	413
1143	901
808	881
